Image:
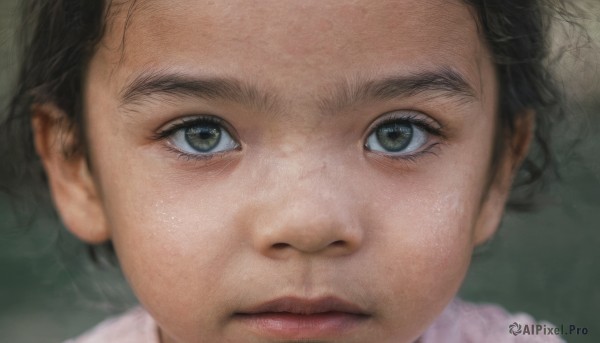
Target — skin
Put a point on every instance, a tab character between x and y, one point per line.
301	207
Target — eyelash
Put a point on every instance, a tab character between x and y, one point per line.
428	125
183	124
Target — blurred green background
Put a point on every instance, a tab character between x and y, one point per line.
545	263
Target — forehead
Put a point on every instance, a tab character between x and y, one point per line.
288	41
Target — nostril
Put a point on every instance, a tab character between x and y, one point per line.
280	246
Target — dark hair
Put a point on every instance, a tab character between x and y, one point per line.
59	37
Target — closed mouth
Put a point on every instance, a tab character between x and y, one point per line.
293	317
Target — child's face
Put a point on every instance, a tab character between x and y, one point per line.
352	160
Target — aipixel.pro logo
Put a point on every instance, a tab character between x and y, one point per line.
547	330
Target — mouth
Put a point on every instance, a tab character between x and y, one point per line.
293	317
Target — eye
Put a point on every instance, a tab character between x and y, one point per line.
200	137
398	138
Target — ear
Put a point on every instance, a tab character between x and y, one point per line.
72	186
512	155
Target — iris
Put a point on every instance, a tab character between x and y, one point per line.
395	136
203	137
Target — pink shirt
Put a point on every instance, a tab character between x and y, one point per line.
460	322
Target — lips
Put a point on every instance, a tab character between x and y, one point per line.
293	317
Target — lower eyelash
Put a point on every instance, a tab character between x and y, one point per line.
422	124
190	157
414	157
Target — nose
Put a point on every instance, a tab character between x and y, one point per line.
307	215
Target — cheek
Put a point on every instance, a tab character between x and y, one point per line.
433	234
421	244
172	240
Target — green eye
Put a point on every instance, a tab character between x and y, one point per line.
399	137
203	137
394	136
200	137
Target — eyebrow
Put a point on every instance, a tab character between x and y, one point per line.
172	84
444	82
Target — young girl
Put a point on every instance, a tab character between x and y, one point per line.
282	171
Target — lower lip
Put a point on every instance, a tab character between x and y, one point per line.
285	325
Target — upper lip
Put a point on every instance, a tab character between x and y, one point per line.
306	306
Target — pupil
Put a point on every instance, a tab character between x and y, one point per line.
395	137
203	138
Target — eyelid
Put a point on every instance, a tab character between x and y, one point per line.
169	129
167	133
431	128
417	118
172	126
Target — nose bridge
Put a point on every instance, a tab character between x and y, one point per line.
303	209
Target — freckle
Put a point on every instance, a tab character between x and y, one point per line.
449	206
